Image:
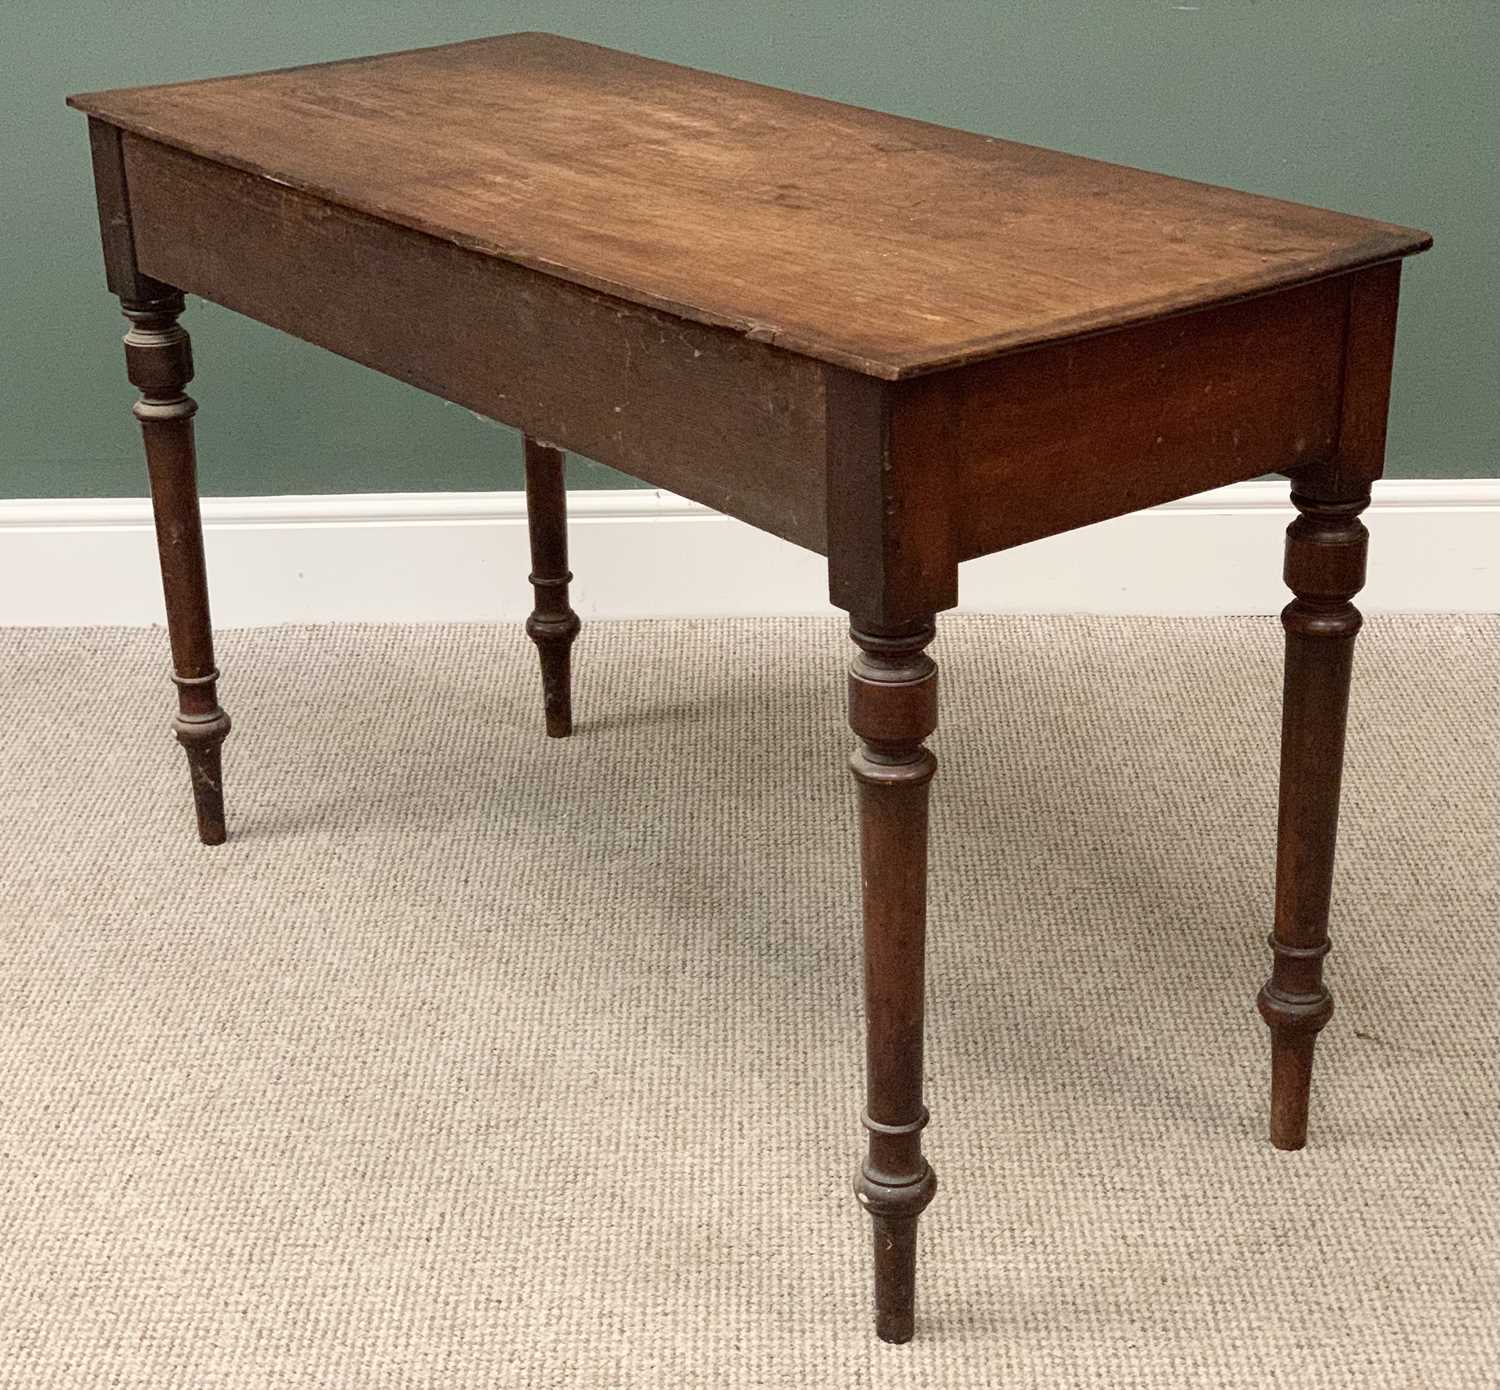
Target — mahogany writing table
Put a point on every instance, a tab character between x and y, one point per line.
896	345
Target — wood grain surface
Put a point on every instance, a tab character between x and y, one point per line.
885	245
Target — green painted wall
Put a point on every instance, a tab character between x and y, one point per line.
1387	109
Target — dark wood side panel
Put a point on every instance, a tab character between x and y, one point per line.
731	423
1368	358
891	453
121	273
1071	434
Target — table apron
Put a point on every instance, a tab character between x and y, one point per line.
727	421
1074	433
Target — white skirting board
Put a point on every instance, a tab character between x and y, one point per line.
462	557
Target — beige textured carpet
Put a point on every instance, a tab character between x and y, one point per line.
476	1059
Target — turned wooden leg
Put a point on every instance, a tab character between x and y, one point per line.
1325	568
553	624
893	707
159	360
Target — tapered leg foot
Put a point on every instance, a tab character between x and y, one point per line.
893	708
894	1212
553	625
1291	1084
159	360
203	740
895	1277
1325	568
554	642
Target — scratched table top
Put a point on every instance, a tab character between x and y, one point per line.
883	244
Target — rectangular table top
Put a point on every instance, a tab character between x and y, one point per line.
886	245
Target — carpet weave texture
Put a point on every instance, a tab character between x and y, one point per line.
481	1059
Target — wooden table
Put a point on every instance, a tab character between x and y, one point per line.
896	345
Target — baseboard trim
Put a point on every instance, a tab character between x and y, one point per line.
460	557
